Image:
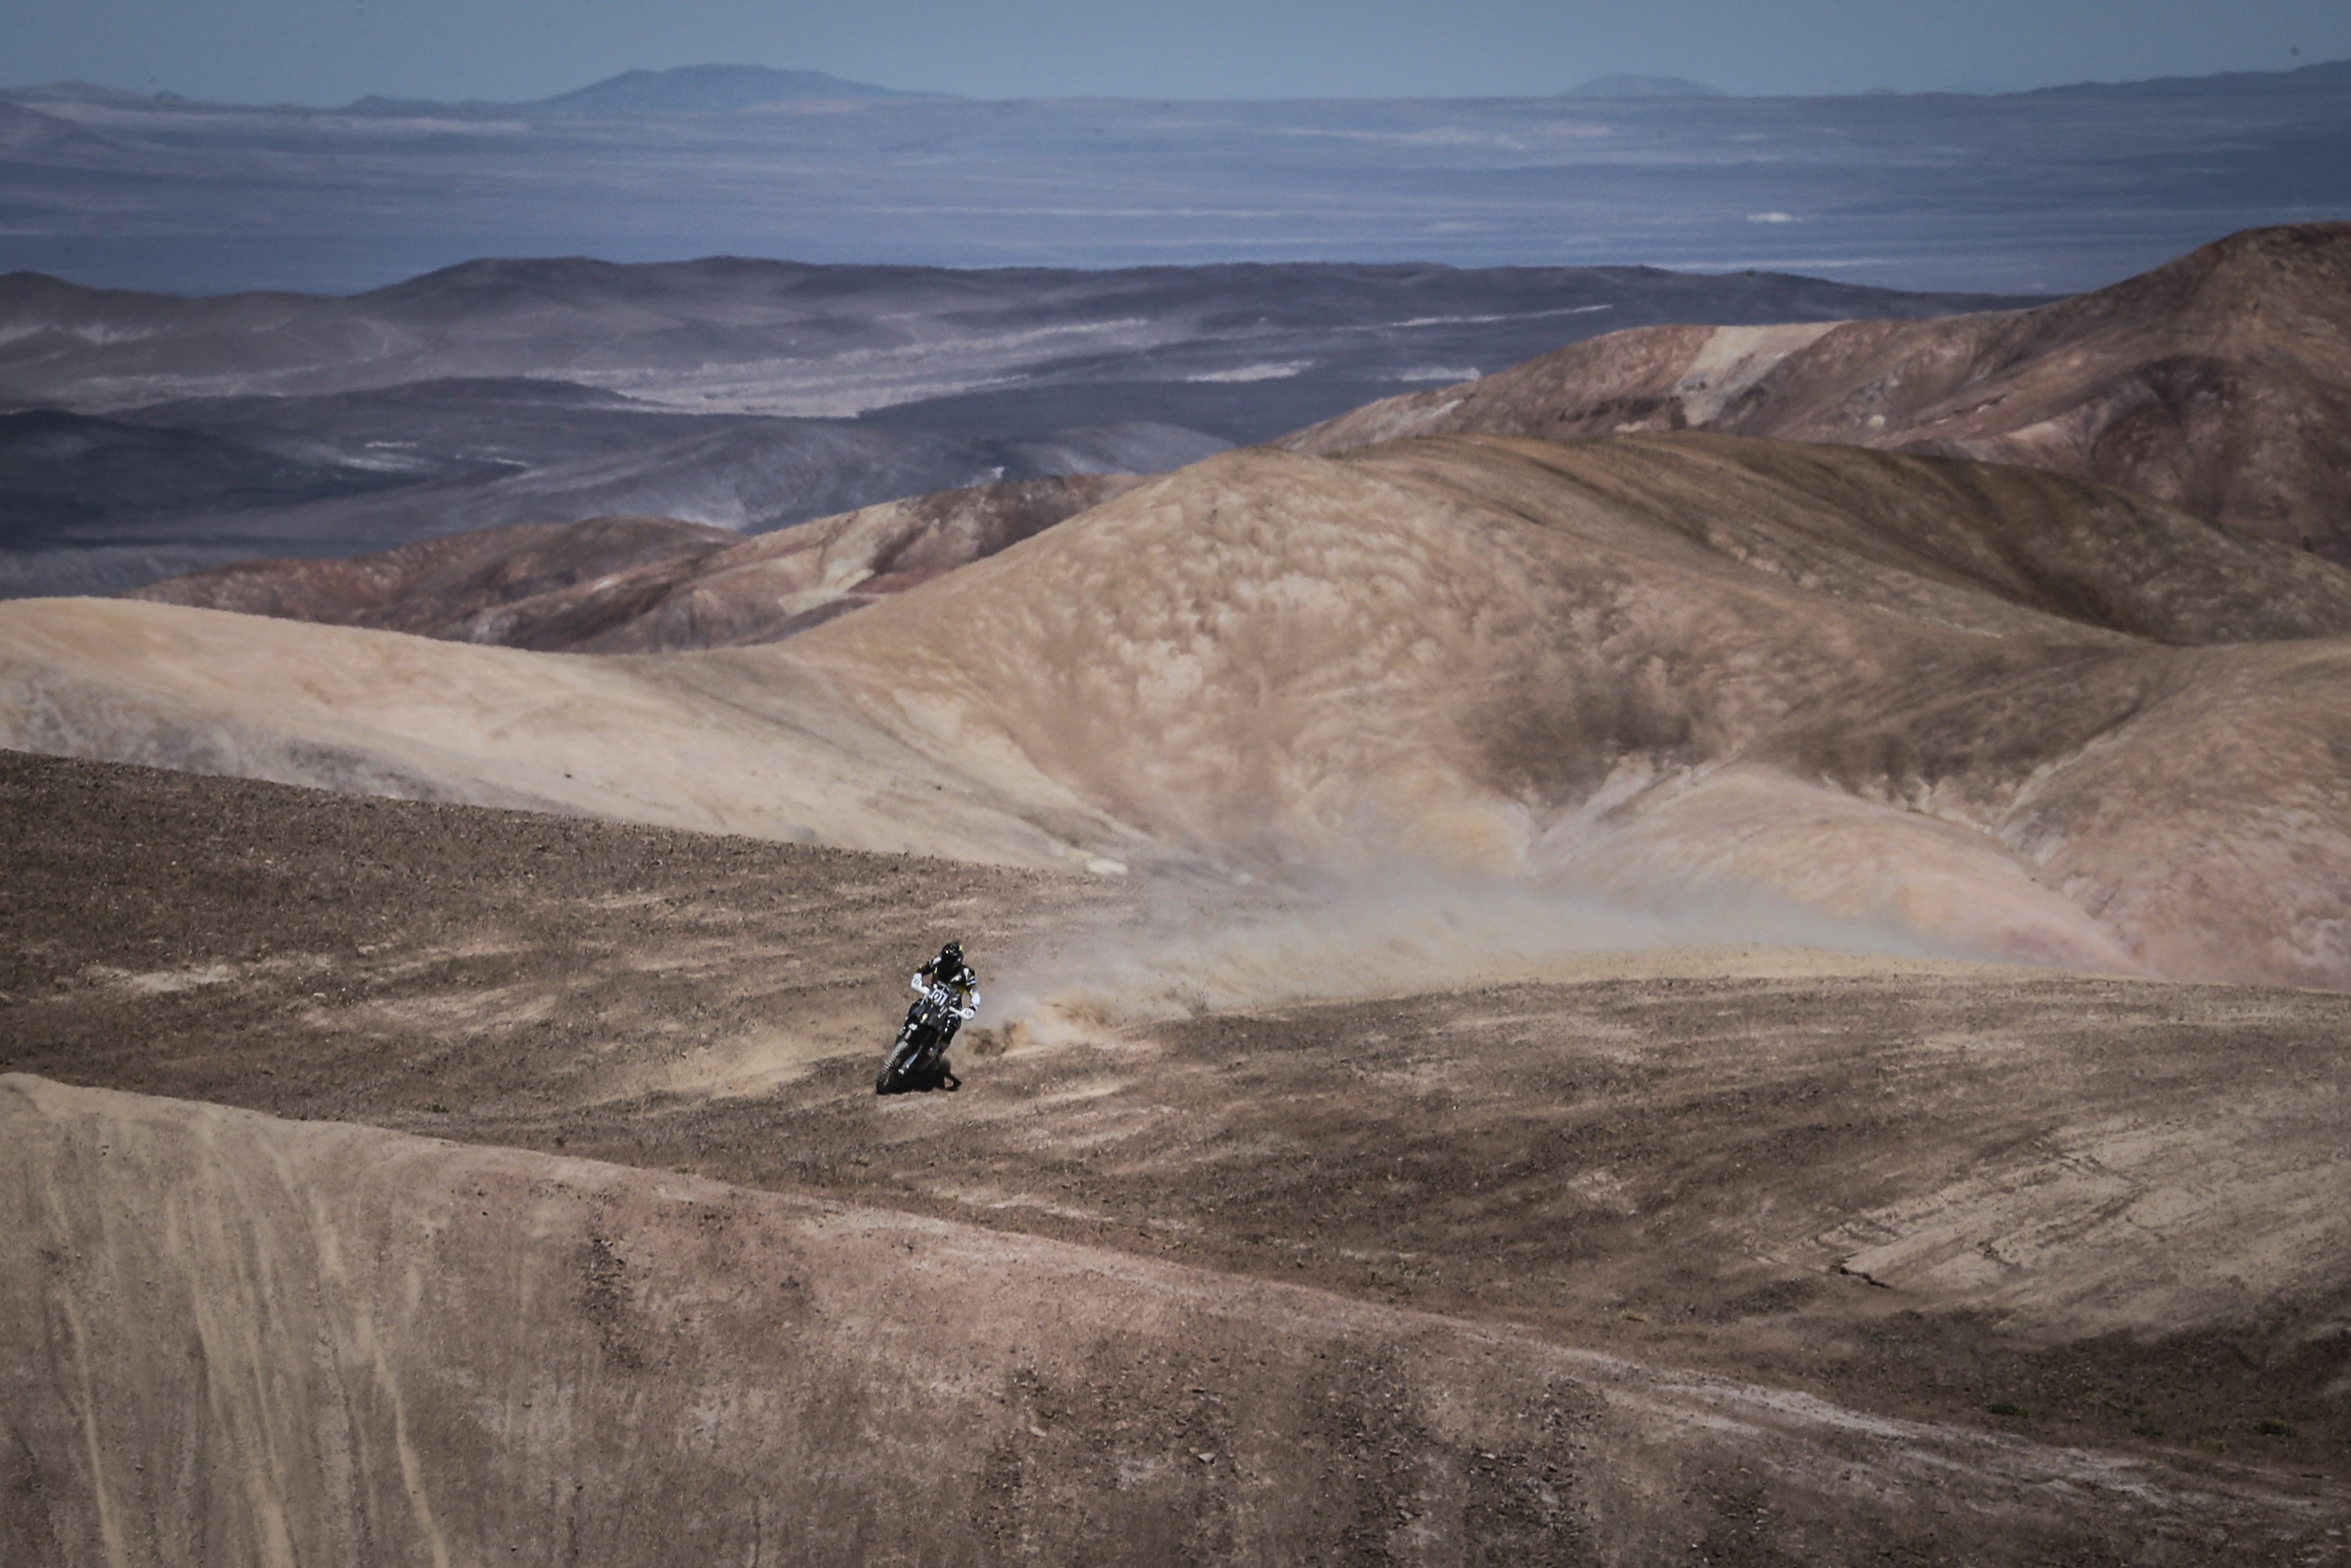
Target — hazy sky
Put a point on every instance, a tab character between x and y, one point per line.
331	51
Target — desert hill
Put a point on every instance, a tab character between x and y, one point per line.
489	584
1945	696
2221	382
2007	712
733	741
68	473
614	585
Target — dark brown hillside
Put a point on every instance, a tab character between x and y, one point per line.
614	585
2221	382
508	586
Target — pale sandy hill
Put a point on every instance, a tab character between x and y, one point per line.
2221	382
2001	712
736	742
242	1339
638	583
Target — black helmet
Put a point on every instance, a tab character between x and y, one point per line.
951	957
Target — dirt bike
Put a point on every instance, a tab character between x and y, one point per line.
922	1041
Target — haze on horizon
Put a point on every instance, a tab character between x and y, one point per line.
287	51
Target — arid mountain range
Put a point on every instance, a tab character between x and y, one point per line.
2221	382
1552	992
733	335
1922	693
155	433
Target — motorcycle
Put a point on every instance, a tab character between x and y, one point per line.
922	1041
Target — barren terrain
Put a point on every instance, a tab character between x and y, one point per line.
1663	997
624	584
1758	1256
1994	712
143	435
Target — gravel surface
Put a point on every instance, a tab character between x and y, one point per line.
1986	1197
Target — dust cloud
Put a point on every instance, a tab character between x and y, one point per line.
1405	930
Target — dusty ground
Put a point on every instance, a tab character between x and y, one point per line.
2109	1216
253	1340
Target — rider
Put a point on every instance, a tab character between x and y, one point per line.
961	985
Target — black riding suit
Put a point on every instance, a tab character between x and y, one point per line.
962	999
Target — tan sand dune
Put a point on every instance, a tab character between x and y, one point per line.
276	1341
2010	714
2220	381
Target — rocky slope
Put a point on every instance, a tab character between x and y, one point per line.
311	1341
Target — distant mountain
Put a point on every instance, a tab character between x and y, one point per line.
1622	84
1926	191
735	334
2328	77
2220	382
741	394
708	89
27	132
87	92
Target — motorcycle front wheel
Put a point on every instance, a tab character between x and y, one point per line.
901	1060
